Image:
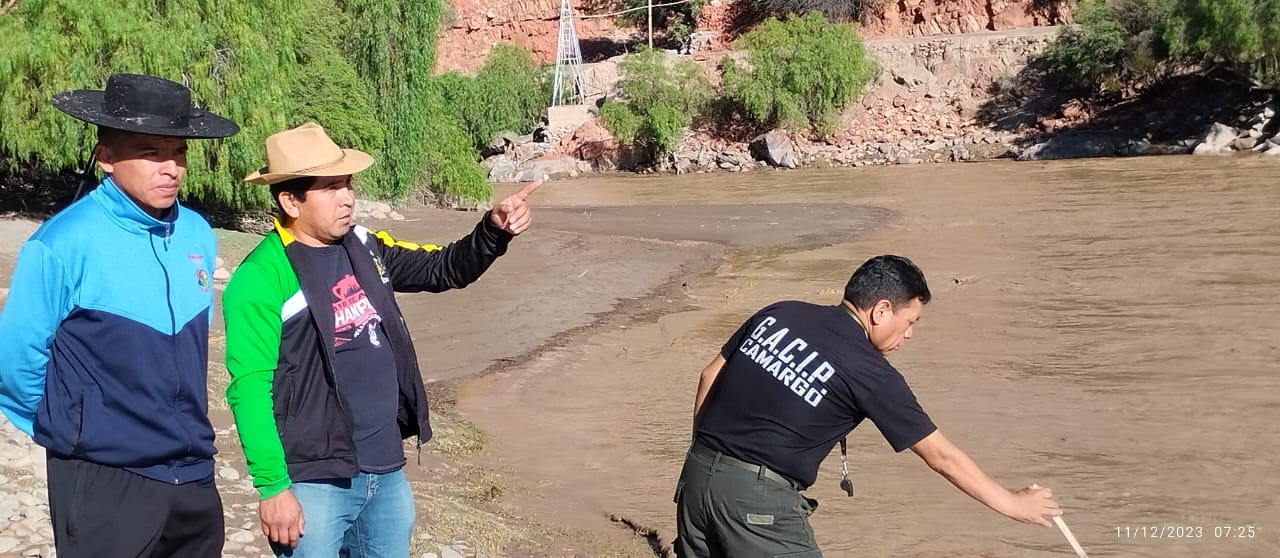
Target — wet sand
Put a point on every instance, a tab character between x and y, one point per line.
1104	328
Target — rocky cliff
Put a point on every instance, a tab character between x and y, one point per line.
476	25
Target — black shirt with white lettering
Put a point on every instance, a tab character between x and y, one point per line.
797	377
363	364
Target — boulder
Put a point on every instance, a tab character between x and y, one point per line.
775	148
1073	146
1215	140
548	167
501	168
590	142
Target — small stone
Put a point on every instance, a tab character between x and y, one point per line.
9	544
450	552
221	274
242	537
219	262
227	473
395	216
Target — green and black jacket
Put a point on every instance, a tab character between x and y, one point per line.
280	321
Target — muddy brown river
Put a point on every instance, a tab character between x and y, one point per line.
1106	328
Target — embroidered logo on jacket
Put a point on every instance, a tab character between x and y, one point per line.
202	276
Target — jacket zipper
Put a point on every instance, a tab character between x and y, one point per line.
173	337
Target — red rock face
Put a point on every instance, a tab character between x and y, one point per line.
477	25
919	18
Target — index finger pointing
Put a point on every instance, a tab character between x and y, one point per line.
531	188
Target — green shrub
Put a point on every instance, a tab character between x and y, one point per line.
453	170
660	99
392	45
663	124
649	78
1116	46
510	92
1244	34
620	120
801	72
672	22
1123	45
835	10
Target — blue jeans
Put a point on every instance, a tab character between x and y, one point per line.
369	516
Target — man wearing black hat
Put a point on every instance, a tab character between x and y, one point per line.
105	336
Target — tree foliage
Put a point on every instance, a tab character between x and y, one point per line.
1241	33
801	72
677	21
835	10
1122	45
661	97
361	68
1117	44
261	81
392	45
510	92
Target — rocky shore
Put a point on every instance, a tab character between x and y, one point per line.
938	99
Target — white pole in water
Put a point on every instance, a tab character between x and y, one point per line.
1075	545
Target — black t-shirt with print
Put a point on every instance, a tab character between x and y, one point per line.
797	377
364	364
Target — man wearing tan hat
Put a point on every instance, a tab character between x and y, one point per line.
324	380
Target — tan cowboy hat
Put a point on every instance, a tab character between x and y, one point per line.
306	151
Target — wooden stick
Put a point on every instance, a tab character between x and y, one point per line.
1075	545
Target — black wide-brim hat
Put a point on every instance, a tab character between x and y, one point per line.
144	104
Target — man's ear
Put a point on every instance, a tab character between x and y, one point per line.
289	205
103	158
881	311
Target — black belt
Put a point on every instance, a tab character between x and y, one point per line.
720	457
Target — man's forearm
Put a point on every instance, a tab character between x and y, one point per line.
961	471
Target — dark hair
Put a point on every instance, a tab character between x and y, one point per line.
892	278
110	136
297	187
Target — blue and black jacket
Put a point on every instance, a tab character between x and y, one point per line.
104	337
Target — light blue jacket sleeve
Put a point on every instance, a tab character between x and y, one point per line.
39	299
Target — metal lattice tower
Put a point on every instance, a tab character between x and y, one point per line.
568	62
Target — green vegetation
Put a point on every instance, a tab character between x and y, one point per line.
510	92
361	68
835	10
661	97
1117	46
263	82
800	73
1123	45
677	21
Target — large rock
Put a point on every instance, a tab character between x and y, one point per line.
775	148
505	142
1073	146
1216	140
501	168
590	142
548	167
